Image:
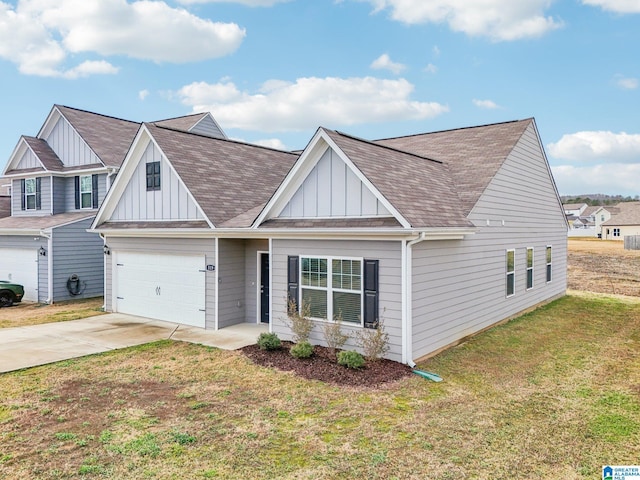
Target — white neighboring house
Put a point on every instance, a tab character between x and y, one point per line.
625	222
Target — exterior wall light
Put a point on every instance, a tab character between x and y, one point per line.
42	252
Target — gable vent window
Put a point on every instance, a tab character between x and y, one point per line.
153	176
30	198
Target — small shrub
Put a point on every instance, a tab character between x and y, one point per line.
302	350
299	321
269	341
333	335
373	341
350	359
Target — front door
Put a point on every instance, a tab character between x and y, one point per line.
264	287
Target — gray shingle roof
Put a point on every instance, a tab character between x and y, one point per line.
5	205
181	123
43	222
227	178
386	222
43	151
473	155
108	137
628	214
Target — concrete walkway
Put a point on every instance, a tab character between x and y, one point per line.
23	347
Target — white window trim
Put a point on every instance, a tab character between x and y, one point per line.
533	262
90	191
34	194
512	272
548	264
329	288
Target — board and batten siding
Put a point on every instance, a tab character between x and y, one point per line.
459	287
389	254
207	127
166	246
77	252
349	196
28	160
28	242
70	192
252	282
45	199
171	202
72	150
59	195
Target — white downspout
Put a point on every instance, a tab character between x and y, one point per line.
407	310
49	267
216	280
104	275
270	285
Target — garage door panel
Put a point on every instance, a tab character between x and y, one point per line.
165	287
20	265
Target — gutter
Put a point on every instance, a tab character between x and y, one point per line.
407	286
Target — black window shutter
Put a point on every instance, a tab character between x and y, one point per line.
23	193
38	193
77	191
292	280
94	190
371	293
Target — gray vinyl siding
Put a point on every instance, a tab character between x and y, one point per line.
252	282
69	146
390	285
77	252
28	242
70	192
59	195
45	199
231	282
459	287
208	127
167	246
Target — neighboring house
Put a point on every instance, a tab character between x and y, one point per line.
625	222
574	209
438	235
58	180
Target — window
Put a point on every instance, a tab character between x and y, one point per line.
511	275
332	287
153	176
616	232
548	264
86	192
30	192
602	218
529	268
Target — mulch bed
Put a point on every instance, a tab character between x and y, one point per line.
322	365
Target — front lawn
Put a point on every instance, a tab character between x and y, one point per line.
29	313
553	394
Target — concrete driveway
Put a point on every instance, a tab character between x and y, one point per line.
33	345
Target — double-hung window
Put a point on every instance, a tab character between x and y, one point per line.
86	191
548	263
30	193
616	232
332	288
529	268
511	272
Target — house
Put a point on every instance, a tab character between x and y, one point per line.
574	209
624	222
57	181
437	235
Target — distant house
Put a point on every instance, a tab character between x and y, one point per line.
57	181
625	221
436	235
574	209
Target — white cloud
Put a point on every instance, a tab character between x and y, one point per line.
430	68
499	20
612	179
626	82
599	145
88	68
384	62
142	94
617	6
308	103
272	143
436	50
248	3
39	35
487	104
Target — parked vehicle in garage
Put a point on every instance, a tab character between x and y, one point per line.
10	293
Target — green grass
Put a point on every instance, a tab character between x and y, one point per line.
552	394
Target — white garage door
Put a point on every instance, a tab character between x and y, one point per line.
21	266
164	287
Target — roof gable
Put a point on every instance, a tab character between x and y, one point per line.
473	155
32	155
200	123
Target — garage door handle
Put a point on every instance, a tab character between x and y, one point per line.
120	264
202	309
120	298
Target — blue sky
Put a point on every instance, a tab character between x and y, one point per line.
272	71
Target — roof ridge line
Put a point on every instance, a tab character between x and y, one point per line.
57	105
